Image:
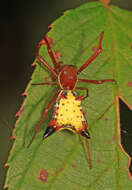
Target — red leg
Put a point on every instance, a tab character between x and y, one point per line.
56	65
43	61
83	88
44	115
46	83
96	81
88	151
96	53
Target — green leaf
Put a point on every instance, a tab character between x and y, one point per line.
60	162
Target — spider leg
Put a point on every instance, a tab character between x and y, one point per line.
88	151
83	88
46	83
51	54
96	53
96	81
86	134
43	61
44	116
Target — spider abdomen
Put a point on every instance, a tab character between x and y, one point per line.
68	113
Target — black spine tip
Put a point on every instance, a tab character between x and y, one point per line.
86	134
49	131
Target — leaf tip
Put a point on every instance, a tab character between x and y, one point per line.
24	94
50	26
11	138
20	110
5	186
6	165
49	39
33	64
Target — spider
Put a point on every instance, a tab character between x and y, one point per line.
67	112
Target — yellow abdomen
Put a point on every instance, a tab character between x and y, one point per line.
69	112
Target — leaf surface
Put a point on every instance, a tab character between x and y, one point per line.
60	162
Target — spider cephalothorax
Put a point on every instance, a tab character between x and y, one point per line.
67	77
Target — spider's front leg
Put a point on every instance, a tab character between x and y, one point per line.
96	53
96	81
43	42
51	54
46	83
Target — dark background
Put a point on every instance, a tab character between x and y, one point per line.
23	24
